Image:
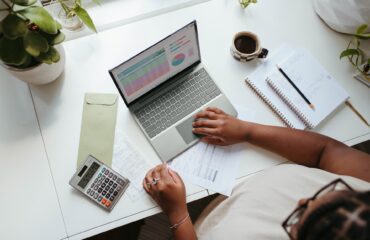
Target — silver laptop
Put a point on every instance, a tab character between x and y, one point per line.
164	86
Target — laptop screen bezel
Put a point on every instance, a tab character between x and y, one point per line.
171	78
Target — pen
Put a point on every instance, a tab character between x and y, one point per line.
295	87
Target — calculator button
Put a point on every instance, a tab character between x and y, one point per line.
114	177
103	201
106	180
92	193
103	169
92	185
114	185
103	177
103	185
111	198
100	181
106	188
96	195
96	188
110	175
120	181
100	198
104	192
99	175
108	203
106	172
110	183
88	190
118	189
99	190
115	193
95	180
111	190
108	195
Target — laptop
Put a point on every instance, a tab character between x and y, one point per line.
164	86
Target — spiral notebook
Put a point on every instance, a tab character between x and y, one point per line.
309	76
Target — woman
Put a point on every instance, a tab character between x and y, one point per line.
258	206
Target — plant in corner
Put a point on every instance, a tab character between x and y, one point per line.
30	40
356	55
28	35
245	3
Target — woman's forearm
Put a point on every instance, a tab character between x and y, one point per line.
303	147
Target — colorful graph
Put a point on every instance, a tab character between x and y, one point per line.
178	59
144	72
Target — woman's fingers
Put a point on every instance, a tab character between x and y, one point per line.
215	110
206	131
175	176
207	114
206	123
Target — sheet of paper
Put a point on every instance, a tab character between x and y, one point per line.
209	166
129	163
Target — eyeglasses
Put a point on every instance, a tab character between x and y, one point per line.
295	216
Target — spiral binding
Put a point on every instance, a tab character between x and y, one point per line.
292	106
269	103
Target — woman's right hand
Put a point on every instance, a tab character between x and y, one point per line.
219	128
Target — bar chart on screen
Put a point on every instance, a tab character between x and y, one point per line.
144	72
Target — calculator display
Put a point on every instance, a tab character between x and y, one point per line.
89	174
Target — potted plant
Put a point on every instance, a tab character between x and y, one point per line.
356	55
245	3
30	40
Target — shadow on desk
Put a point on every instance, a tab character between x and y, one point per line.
152	228
157	227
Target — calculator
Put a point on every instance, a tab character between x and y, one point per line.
99	182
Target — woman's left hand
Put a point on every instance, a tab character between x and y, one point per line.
167	188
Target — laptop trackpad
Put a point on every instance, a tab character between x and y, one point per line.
185	130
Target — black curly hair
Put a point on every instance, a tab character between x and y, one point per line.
345	218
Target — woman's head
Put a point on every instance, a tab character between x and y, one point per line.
336	214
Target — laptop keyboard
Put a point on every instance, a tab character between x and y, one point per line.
180	101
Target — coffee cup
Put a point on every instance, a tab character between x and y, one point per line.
246	46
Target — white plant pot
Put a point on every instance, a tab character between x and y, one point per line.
343	15
40	74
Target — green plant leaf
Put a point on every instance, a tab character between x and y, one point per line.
361	29
54	39
12	51
59	26
41	18
363	36
34	43
349	52
24	2
13	26
51	56
85	17
97	2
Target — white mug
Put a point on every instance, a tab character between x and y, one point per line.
246	46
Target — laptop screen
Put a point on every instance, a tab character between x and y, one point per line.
158	63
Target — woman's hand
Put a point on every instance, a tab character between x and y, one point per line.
219	128
167	189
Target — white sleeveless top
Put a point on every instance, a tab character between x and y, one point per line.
259	205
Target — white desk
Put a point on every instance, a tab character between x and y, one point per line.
29	206
59	105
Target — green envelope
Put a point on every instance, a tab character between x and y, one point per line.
98	127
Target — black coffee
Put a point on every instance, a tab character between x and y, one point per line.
245	44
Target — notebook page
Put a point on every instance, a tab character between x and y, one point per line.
256	81
314	82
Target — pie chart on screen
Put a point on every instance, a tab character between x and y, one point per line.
178	59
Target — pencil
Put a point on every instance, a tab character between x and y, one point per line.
296	88
357	113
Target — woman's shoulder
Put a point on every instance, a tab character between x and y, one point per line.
260	202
